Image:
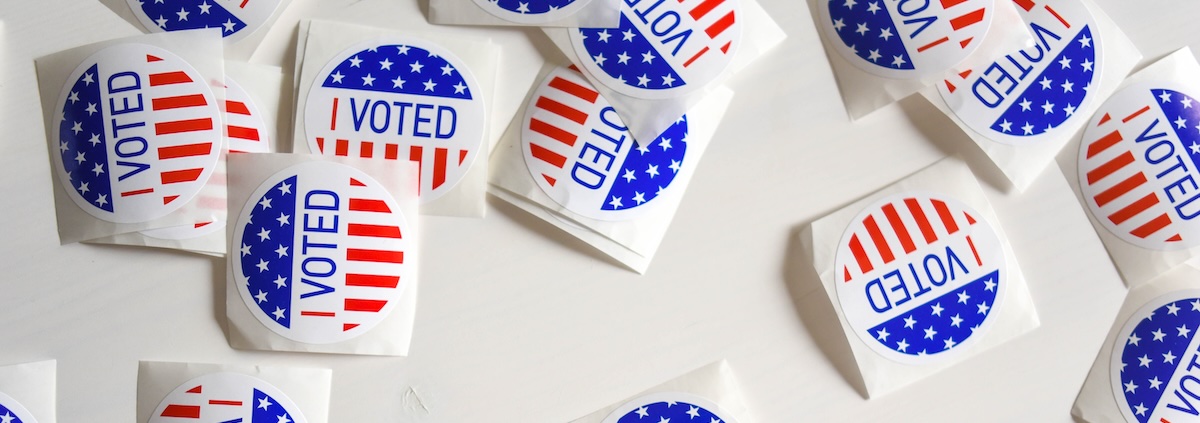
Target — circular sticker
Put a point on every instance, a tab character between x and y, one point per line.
532	11
321	253
1153	364
1139	164
227	398
398	98
12	411
583	156
138	135
662	49
1032	94
906	39
668	407
236	18
918	276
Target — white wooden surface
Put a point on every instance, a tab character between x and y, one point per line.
518	323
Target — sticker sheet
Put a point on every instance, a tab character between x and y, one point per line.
1145	371
883	51
665	57
174	392
543	13
252	124
134	132
921	276
1135	169
323	254
571	160
397	97
243	24
1024	106
28	392
710	394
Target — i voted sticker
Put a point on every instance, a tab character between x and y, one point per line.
227	398
583	156
919	277
668	407
399	98
532	11
662	49
321	253
1033	94
12	411
1154	361
236	18
1139	164
138	133
906	39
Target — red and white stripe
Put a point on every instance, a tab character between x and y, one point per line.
560	120
899	228
245	127
967	14
716	17
192	411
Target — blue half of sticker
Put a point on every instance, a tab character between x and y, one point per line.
942	323
177	15
1153	352
532	7
626	55
7	416
1185	111
870	33
266	251
670	411
649	168
1057	92
82	145
268	410
399	69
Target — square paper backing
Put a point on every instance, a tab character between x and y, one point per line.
33	385
1022	164
307	387
597	14
632	242
241	50
393	334
714	382
950	177
201	49
320	41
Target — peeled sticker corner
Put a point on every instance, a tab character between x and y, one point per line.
667	407
1153	361
227	397
237	19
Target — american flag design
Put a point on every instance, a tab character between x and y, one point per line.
323	253
1035	93
583	156
1139	164
662	48
236	18
532	11
1153	367
906	39
667	407
918	275
12	411
138	135
398	98
227	398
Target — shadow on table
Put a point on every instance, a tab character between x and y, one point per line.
549	231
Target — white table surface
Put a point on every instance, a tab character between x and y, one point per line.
518	322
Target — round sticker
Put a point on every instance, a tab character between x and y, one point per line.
906	39
662	49
532	11
321	253
1153	365
583	156
226	398
236	18
137	136
1032	94
12	411
1139	164
919	276
668	407
398	98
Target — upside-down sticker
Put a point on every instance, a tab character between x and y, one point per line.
1154	365
227	398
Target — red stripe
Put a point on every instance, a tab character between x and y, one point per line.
462	155
318	313
342	148
545	155
1025	4
186	150
372	281
932	45
366	149
333	115
152	59
439	167
236	107
696	56
552	132
321	144
168	78
177	126
1139	206
889	211
720	25
574	89
704	7
926	229
1102	171
860	255
225	402
391	151
946	4
365	205
947	217
167	199
378	231
560	109
177	102
199	389
356	183
242	132
974	251
1059	17
1098	146
881	245
1152	226
1121	188
967	20
182	411
372	306
243	5
375	256
137	192
177	176
1135	114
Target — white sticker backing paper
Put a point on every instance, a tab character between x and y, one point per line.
174	392
543	13
27	393
710	394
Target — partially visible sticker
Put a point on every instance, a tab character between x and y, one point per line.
321	253
920	277
1153	370
137	135
662	49
237	19
907	39
532	11
667	407
398	98
583	156
12	411
1139	164
1033	94
227	398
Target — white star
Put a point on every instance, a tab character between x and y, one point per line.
1065	62
1141	410
1172	309
459	88
83	188
627	35
1085	41
850	4
675	165
629	175
599	59
87	79
1134	339
1165	97
882	334
355	62
161	21
285	188
643	80
183	14
1155	383
278	313
398	83
694	411
983	308
7	417
415	67
1068	87
1158	335
1130	387
337	77
368	80
402	50
98	169
245	249
616	202
604	35
838	24
929	333
264	403
385	64
1069	109
262	296
873	7
204	8
95	139
1047	108
639	197
955	320
902	346
74	97
642	147
262	265
265	203
664	419
668	80
1181	123
1196	305
447	70
102	200
523	7
623	58
1087	65
1187	102
228	25
1045	83
1006	126
648	57
898	61
862	29
642	412
1169	358
1027	128
62	147
79	158
264	234
1183	330
652	170
1144	361
281	251
77	128
874	56
91	109
885	33
280	282
429	84
909	322
949	343
937	309
1025	103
